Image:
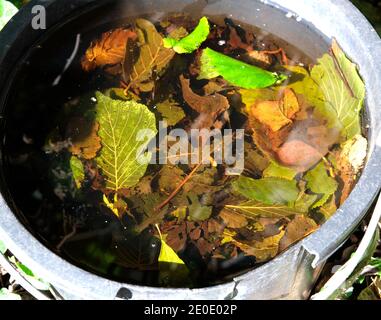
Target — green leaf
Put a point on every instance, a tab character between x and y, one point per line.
171	112
343	89
252	209
198	212
78	171
7	11
267	190
238	73
120	123
5	294
278	171
3	247
319	182
191	42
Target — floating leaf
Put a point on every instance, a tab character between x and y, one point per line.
197	211
278	171
110	49
343	89
191	42
171	112
120	122
7	11
267	190
296	230
238	73
78	171
253	209
146	59
84	138
319	182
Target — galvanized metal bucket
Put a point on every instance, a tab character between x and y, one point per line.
310	25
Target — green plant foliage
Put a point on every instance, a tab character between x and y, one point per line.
192	41
120	122
7	11
238	73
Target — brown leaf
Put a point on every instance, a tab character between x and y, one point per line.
258	58
84	137
144	60
276	114
177	237
213	104
296	230
110	49
233	220
236	42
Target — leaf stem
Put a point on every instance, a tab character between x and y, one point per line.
177	190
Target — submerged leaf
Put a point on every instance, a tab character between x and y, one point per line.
276	114
267	190
319	182
233	219
197	211
238	73
85	140
120	123
253	209
213	104
296	230
78	171
146	59
192	41
171	112
343	89
278	171
110	49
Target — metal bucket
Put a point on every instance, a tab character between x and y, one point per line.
310	26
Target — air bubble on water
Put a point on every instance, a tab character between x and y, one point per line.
298	19
258	9
93	99
221	42
289	15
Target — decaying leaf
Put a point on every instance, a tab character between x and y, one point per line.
78	171
296	230
85	142
267	190
276	114
319	182
233	219
255	209
197	211
349	162
110	49
278	171
146	59
120	122
213	104
171	112
169	178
